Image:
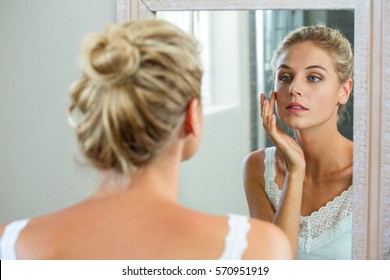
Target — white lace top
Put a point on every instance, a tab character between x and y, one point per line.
326	233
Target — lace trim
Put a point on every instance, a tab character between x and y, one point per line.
271	188
323	225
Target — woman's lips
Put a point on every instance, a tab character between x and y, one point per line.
296	107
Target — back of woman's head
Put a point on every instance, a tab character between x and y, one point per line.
137	81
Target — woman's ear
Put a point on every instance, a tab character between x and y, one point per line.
346	90
193	119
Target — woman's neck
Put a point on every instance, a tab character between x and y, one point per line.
324	152
160	178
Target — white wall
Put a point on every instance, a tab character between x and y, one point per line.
212	180
39	42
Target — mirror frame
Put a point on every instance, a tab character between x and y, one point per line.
371	157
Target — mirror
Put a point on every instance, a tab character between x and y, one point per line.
371	128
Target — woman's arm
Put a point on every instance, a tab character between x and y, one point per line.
289	208
253	175
2	228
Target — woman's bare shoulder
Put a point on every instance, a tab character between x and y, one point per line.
254	159
43	234
2	228
253	167
267	241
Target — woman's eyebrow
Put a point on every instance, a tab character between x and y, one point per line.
316	66
285	66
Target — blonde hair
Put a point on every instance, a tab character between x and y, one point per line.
329	39
137	81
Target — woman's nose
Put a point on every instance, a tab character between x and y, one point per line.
295	88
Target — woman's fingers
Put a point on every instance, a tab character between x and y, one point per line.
272	101
275	132
267	110
265	116
262	98
286	145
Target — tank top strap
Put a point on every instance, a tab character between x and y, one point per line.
271	189
9	238
236	238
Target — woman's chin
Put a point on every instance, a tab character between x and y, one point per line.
292	124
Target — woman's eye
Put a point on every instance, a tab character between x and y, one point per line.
284	78
314	79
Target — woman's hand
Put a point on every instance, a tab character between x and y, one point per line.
288	211
285	144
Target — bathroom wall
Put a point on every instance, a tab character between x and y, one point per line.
39	45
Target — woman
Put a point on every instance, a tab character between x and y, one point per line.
303	184
137	114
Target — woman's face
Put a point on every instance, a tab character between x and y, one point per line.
308	88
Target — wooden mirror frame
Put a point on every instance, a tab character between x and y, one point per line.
371	157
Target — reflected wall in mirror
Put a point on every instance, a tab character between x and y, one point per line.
371	124
226	89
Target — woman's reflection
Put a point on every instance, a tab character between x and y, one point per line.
303	183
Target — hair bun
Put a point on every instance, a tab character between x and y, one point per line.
111	57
